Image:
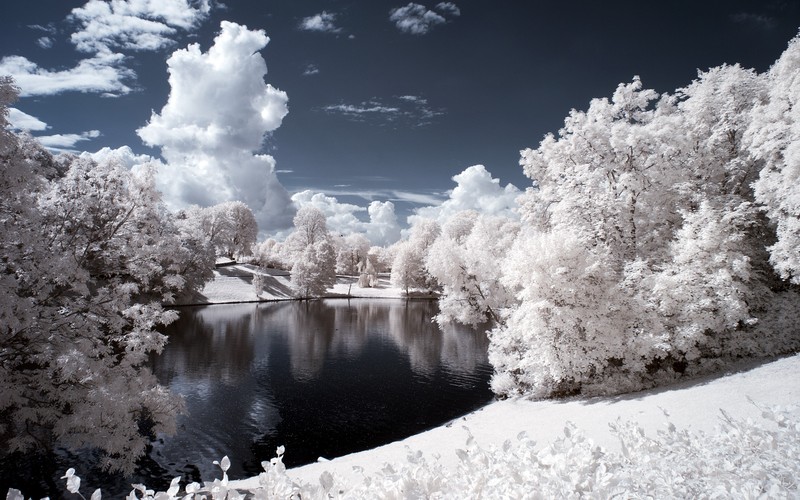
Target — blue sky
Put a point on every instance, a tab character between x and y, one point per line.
386	100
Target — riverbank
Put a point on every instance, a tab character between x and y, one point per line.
697	409
233	284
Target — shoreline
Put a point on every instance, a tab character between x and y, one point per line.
232	284
697	406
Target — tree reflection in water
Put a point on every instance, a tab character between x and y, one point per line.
324	378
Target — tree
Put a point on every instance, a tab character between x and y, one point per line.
230	226
642	254
86	260
311	250
774	139
461	260
351	252
242	228
408	268
314	271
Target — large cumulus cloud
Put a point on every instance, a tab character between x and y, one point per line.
216	118
476	190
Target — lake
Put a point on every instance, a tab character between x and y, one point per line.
323	378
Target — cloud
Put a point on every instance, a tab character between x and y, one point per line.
381	228
757	21
475	190
100	73
407	109
311	70
102	29
448	8
416	19
134	24
210	151
123	155
66	142
45	42
323	22
23	121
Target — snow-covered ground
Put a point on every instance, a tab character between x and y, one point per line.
234	283
696	406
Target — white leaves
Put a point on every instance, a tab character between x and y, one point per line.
223	464
73	481
326	481
175	487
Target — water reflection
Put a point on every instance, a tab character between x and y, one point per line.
324	378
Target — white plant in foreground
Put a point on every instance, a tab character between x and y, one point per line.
742	459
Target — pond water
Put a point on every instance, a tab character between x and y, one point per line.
322	378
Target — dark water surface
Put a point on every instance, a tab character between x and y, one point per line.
323	378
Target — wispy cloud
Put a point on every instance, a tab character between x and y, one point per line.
23	121
752	20
449	8
394	195
416	19
45	42
66	142
311	69
324	22
399	110
102	73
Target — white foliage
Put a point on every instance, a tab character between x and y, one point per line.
643	253
774	137
460	260
741	459
408	267
88	257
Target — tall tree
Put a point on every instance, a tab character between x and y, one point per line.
86	262
312	254
774	138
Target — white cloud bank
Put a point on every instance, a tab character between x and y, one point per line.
217	115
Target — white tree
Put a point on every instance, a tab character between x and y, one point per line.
315	270
351	253
774	138
709	288
642	253
242	228
408	268
464	261
230	226
86	260
311	250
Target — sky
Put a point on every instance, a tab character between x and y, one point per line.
371	110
